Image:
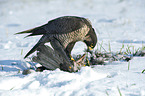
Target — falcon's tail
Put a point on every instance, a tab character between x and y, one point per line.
34	31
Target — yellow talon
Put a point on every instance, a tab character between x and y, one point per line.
84	65
72	59
69	67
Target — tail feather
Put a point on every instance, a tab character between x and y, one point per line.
27	31
34	31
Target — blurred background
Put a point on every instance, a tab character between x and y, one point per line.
115	22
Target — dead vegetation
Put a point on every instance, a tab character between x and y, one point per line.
50	60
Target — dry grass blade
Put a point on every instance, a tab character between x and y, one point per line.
143	71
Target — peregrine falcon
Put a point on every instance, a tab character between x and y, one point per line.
63	33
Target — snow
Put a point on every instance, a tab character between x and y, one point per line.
117	22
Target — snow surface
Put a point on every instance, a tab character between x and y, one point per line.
117	21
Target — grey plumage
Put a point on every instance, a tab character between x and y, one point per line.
51	60
63	33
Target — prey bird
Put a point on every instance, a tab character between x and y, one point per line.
63	33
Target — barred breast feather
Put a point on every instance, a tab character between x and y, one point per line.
74	36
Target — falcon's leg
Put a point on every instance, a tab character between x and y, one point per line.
69	49
68	66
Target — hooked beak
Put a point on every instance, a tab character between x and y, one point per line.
90	48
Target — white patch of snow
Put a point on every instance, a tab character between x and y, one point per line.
115	21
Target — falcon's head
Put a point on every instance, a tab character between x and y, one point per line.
91	39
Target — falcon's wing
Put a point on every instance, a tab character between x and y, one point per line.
64	25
